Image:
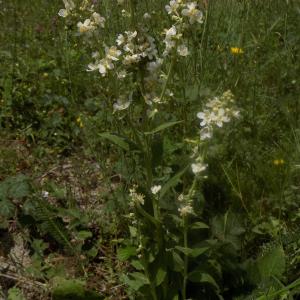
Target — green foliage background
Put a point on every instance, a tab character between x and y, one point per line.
250	203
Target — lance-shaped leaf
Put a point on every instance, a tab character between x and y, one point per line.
173	181
163	127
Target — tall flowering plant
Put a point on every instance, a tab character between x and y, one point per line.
137	63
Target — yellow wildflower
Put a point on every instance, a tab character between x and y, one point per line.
236	50
79	122
278	162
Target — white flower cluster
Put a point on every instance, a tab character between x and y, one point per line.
181	12
180	8
132	49
89	25
123	102
198	167
218	111
136	197
106	63
138	48
185	206
69	6
155	189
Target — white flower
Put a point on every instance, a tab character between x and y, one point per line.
180	198
103	65
45	194
131	59
172	7
120	39
198	167
122	74
186	210
100	21
113	53
131	35
214	103
194	14
86	26
182	50
122	103
153	66
206	133
136	197
63	13
205	116
220	110
147	16
155	189
221	117
129	47
170	32
69	6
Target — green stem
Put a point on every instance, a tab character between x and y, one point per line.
147	272
168	79
186	259
132	13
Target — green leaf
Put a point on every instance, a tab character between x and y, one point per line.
137	265
15	294
19	187
228	228
173	181
147	215
160	276
272	263
133	231
192	92
140	276
68	288
163	127
119	141
92	252
7	208
199	276
136	283
15	187
178	262
124	253
4	190
199	225
286	289
84	234
192	252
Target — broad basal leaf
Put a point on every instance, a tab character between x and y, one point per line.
125	253
272	263
7	208
117	140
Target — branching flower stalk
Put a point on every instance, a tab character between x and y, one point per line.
185	212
